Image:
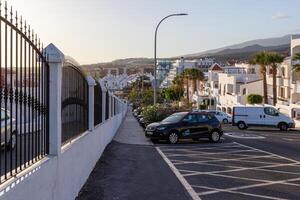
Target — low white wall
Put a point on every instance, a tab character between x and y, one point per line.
61	177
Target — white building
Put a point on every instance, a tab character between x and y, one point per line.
230	85
180	65
288	84
119	82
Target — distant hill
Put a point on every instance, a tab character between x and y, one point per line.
269	42
240	52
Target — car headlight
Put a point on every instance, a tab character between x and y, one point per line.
161	128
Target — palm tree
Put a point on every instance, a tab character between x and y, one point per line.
192	74
273	59
196	75
261	59
186	76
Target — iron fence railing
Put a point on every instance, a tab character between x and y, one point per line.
24	96
74	103
98	105
106	105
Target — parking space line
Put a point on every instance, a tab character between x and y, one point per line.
235	192
183	181
241	169
244	178
213	153
197	151
193	146
252	186
238	152
199	148
292	160
232	159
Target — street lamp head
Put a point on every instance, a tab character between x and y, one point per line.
182	14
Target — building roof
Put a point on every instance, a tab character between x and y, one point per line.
216	67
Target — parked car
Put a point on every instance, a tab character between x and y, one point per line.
246	116
10	141
137	112
142	122
221	116
193	125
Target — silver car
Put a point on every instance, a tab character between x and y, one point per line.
10	140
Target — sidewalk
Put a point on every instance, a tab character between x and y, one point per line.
131	168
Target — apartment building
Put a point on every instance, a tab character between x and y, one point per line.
229	86
180	65
288	83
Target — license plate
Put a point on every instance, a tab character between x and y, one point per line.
149	133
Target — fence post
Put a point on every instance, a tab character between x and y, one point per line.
91	92
56	59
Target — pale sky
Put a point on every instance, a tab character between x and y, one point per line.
94	31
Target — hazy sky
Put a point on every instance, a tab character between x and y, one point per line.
102	30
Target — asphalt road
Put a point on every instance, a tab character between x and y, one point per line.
127	171
252	164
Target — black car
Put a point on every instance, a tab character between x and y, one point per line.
192	125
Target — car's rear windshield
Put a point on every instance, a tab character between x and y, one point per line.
174	118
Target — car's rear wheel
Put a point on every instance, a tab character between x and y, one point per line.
173	138
242	125
215	136
283	126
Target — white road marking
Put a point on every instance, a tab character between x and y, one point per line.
263	182
244	178
242	169
213	159
285	158
183	181
213	153
243	135
288	139
252	186
237	192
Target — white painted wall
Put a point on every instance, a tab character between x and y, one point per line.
61	174
61	177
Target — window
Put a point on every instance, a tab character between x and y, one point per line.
203	118
271	111
174	118
282	92
192	118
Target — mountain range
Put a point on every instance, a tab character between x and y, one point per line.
240	52
267	44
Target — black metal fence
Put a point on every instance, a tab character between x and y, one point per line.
98	105
74	103
106	105
24	95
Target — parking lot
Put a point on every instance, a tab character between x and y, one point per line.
230	170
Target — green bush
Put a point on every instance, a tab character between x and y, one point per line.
254	99
173	93
158	112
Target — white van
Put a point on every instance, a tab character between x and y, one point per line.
245	116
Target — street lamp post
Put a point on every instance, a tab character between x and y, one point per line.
155	59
